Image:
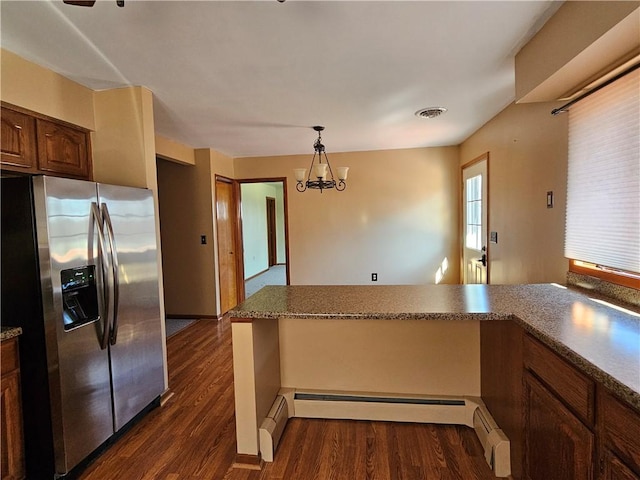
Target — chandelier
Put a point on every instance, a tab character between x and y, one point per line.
318	171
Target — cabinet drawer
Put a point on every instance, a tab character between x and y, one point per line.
620	428
9	360
574	388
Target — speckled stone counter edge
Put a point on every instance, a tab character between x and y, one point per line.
9	332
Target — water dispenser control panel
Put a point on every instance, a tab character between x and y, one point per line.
79	296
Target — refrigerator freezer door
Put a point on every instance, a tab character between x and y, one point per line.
78	368
136	348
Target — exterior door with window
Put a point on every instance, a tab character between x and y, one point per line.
474	217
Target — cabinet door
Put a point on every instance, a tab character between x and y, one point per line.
557	444
619	429
616	470
11	440
18	140
62	149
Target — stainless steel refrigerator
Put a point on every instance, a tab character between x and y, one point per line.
80	276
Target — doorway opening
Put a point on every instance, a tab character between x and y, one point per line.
264	233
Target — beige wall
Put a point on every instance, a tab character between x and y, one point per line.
582	41
527	157
124	141
221	164
435	357
398	217
168	149
36	88
186	213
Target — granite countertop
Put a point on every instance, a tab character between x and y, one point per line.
9	332
600	340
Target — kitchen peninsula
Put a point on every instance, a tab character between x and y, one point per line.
504	344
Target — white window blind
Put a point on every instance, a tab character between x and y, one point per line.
603	191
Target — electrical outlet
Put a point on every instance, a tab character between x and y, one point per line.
374	277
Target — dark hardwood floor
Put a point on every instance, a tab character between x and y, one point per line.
193	435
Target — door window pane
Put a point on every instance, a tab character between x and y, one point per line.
473	188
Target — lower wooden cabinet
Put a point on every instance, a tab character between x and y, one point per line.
619	430
12	465
562	424
557	444
614	469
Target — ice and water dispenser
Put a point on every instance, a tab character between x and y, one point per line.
79	296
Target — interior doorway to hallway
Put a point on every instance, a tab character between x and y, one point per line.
264	233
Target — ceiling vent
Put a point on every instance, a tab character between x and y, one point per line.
431	112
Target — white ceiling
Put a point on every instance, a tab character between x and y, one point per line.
249	78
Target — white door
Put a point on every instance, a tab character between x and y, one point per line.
474	218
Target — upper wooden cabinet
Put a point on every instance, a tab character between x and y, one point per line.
62	149
19	140
32	143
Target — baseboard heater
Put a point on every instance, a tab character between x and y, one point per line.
272	427
469	411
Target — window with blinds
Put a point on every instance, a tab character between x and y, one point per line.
603	191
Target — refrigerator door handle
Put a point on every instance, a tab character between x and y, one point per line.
115	272
96	219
